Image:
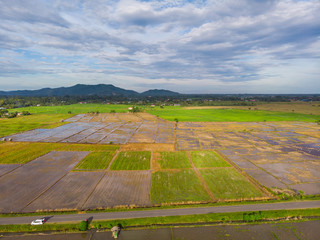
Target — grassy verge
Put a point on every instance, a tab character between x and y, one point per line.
173	220
132	161
173	160
211	218
203	159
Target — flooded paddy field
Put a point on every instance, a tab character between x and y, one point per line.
276	155
283	231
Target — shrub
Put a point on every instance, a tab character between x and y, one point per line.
83	226
252	217
12	115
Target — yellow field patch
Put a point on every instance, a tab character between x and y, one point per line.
148	147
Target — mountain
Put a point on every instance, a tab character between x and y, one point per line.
159	93
76	90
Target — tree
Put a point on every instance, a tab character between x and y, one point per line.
24	113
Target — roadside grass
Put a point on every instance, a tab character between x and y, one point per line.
228	115
204	159
95	161
217	218
132	161
10	126
173	160
177	186
198	219
74	109
45	227
227	183
87	147
17	152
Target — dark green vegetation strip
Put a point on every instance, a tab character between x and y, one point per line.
227	183
10	126
228	115
198	219
177	186
172	160
75	109
95	161
132	161
204	159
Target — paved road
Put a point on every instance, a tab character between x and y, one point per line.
164	212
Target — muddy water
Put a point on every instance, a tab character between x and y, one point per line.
303	230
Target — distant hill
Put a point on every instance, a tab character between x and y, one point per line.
76	90
159	93
87	90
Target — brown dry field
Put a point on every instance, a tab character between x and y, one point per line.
29	181
70	193
297	107
121	188
5	168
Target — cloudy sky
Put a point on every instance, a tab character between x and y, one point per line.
213	46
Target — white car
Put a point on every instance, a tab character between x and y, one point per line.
38	221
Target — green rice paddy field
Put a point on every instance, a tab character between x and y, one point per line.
95	161
132	161
228	115
177	186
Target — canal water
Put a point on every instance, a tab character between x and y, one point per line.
309	230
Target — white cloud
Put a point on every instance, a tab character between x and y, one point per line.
186	45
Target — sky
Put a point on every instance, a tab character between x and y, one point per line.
213	46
